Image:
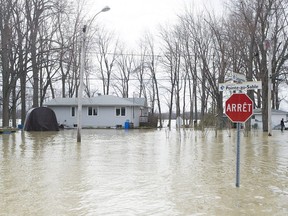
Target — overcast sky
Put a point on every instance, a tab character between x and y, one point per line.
130	18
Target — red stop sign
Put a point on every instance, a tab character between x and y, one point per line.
239	107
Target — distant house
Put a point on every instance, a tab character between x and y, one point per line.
100	112
276	116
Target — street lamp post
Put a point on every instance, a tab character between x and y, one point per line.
269	77
82	61
269	91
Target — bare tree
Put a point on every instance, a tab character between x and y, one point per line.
256	19
106	54
125	65
34	10
67	23
203	40
244	21
8	75
190	32
220	64
149	60
21	49
171	62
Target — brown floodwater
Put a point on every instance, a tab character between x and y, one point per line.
142	172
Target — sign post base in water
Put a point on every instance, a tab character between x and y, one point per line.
238	156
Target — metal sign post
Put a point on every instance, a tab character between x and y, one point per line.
238	156
238	108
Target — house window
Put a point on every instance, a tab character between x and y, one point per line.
92	111
73	111
120	111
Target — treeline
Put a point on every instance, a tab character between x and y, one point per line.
180	68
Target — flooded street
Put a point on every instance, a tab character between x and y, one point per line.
142	172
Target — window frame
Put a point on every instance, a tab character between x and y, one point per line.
120	111
92	111
73	111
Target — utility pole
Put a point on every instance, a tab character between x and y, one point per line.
269	51
82	61
80	91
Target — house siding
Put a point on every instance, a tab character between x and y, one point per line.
104	106
106	116
64	115
275	119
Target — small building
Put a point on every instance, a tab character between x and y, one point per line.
41	119
276	116
104	111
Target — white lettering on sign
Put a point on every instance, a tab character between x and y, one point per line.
240	86
239	107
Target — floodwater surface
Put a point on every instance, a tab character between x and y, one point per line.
142	172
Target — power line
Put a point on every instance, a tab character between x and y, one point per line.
129	54
134	79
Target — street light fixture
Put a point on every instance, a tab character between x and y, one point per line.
82	60
103	10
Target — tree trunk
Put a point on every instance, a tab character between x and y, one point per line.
6	72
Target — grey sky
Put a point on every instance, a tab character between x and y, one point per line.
130	18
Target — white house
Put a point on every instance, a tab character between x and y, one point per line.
276	116
100	112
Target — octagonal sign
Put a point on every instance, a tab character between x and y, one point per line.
239	107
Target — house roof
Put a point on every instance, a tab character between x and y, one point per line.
258	111
103	100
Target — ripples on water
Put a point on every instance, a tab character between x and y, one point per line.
142	172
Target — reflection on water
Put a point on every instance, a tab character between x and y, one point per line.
142	172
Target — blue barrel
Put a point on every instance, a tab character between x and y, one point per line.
126	125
